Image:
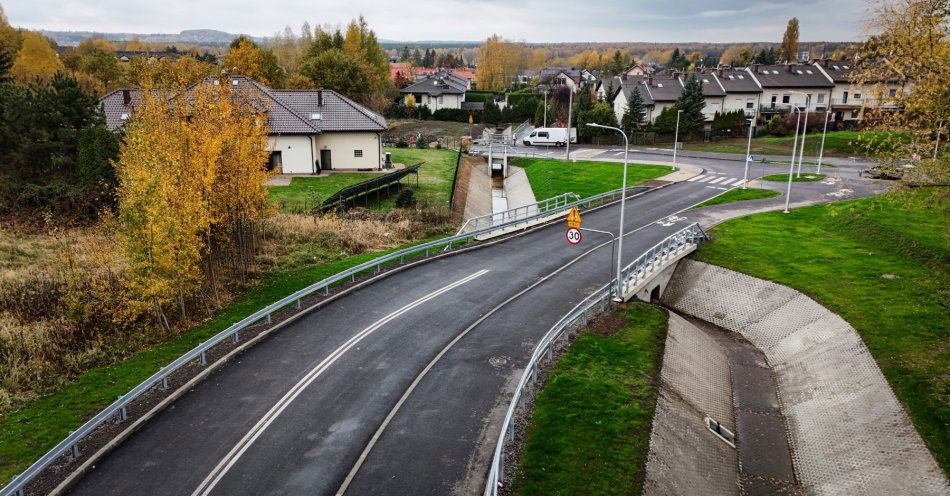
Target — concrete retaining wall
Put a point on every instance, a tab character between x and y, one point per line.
849	434
685	457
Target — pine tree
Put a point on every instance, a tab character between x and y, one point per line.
634	113
691	101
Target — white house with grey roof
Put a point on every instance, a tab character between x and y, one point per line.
438	91
310	130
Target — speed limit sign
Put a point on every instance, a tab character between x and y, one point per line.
573	236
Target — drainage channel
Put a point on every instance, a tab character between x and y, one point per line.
761	437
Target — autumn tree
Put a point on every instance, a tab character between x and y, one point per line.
246	58
94	64
191	173
499	61
904	63
738	55
36	60
136	45
788	51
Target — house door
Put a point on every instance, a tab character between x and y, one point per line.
275	161
325	163
774	98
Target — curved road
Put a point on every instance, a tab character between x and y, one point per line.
444	340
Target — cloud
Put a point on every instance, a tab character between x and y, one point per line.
529	20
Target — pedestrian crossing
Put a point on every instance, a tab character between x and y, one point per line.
717	180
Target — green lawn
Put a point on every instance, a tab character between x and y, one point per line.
28	433
552	177
435	177
306	193
837	144
739	194
590	429
796	178
837	254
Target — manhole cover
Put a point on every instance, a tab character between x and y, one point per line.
497	362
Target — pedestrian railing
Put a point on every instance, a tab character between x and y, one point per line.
160	379
596	303
517	213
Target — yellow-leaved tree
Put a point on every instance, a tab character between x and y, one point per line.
191	174
36	60
498	62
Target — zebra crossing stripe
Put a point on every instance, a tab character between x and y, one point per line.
705	179
693	178
727	181
714	181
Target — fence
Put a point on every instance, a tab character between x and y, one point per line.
455	178
160	379
596	303
517	213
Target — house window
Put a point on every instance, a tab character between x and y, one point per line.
750	104
854	114
786	98
821	98
857	96
892	92
357	153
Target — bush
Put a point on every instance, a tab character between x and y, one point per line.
455	115
401	142
422	141
479	96
728	120
406	199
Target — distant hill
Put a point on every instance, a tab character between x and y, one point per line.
195	36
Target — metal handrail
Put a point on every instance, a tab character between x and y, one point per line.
597	301
517	213
198	353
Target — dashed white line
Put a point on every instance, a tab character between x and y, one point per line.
208	484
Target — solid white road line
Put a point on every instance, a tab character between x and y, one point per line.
705	179
232	457
739	182
714	181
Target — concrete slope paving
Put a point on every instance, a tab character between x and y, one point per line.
212	441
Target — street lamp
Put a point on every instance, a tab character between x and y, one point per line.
791	165
676	136
748	153
801	153
821	152
623	203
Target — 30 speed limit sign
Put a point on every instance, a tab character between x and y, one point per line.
573	236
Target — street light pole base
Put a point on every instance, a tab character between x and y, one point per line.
616	300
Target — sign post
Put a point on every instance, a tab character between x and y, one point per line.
573	233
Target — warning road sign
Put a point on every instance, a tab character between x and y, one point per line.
573	219
573	236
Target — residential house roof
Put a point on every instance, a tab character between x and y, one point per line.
789	76
711	87
438	84
288	111
631	85
663	88
736	81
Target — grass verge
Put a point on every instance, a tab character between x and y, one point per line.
435	177
837	144
739	194
552	177
804	178
590	430
28	433
881	263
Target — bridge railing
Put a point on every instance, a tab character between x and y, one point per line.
160	379
518	213
596	303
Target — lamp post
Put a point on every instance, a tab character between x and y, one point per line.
748	153
623	204
545	106
821	152
791	165
676	136
570	107
801	153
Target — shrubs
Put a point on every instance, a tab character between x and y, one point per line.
455	115
422	141
729	120
406	199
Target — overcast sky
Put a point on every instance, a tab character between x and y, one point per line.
527	20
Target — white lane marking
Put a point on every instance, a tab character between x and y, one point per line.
694	178
739	182
727	181
705	179
232	457
714	181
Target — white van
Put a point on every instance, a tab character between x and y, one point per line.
548	136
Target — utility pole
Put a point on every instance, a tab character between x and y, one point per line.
570	107
676	137
821	152
545	107
748	153
791	165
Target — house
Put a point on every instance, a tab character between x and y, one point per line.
787	85
572	77
713	93
310	130
607	90
848	100
641	70
437	91
742	92
663	91
625	86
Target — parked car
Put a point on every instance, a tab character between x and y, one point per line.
550	136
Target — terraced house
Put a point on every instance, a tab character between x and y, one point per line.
310	130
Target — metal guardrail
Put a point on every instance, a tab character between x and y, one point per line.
517	213
595	303
198	354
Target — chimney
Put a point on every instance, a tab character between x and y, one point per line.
788	67
650	80
719	72
623	76
126	97
755	67
319	98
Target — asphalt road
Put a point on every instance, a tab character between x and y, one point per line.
293	414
